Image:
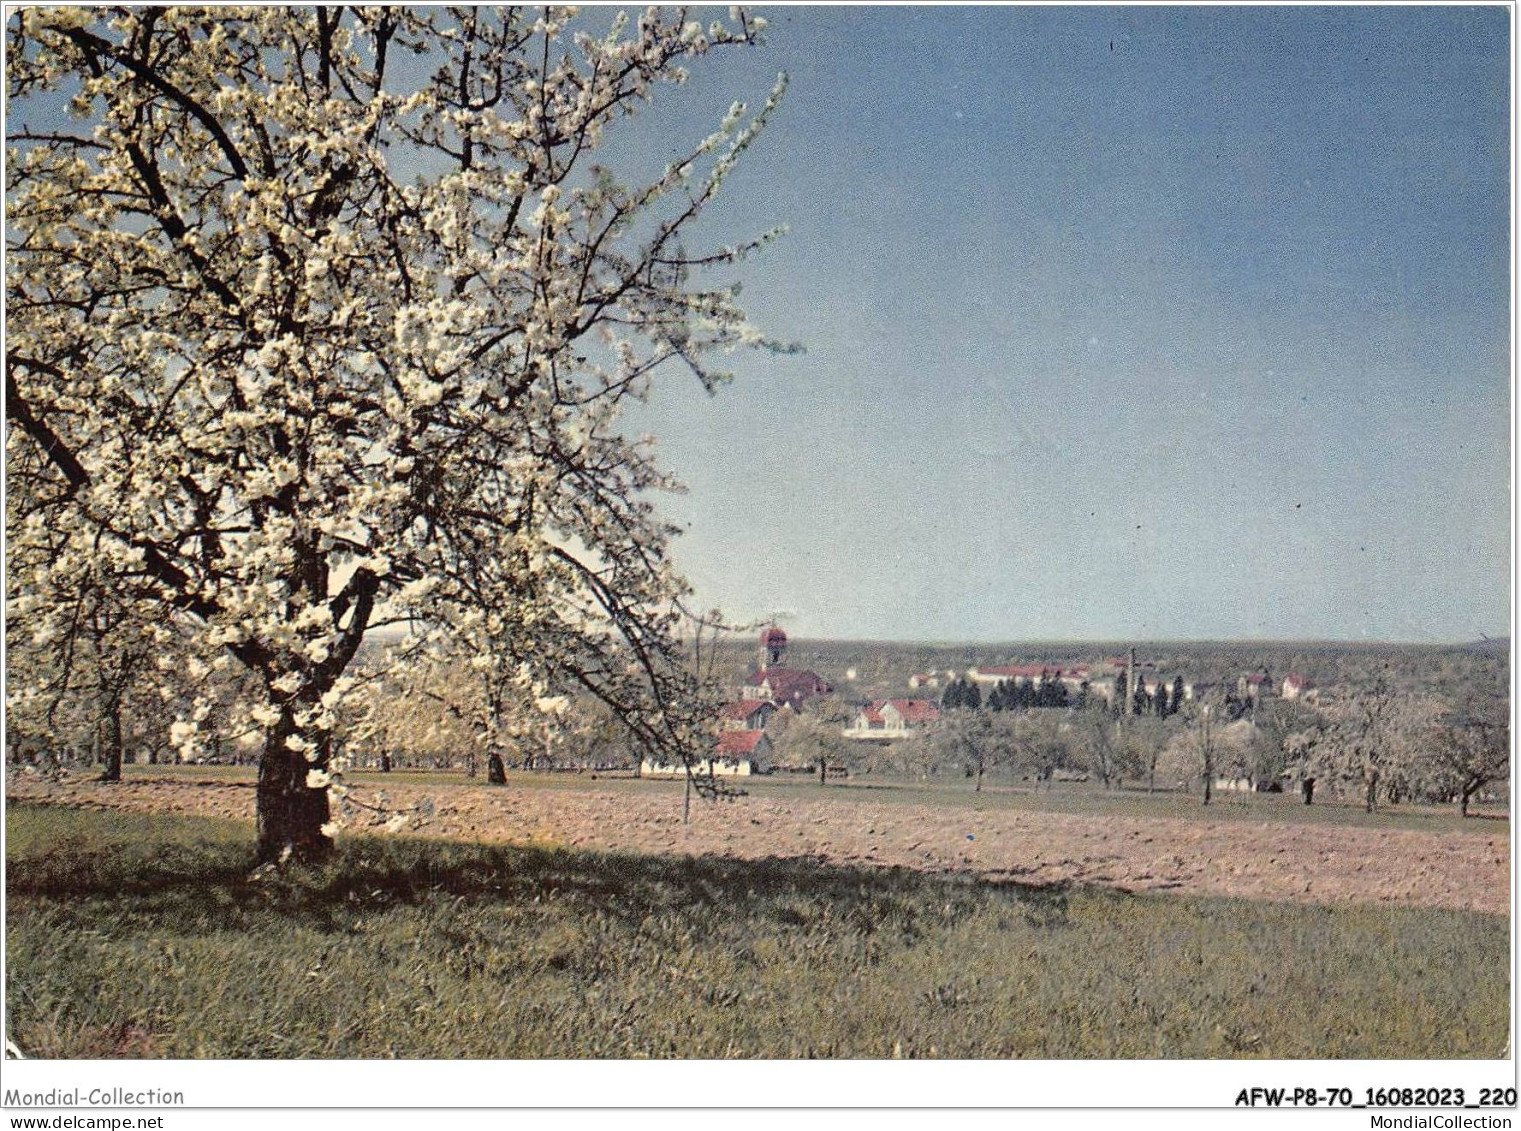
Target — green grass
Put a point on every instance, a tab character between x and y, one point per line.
134	935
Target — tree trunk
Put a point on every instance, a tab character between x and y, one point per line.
291	815
823	770
496	771
1371	798
1467	792
385	761
113	746
978	788
1208	786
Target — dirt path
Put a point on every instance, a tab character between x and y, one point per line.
1303	863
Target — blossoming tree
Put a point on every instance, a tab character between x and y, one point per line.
322	319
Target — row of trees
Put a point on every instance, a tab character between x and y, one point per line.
1389	744
1377	743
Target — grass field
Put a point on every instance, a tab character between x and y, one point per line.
131	935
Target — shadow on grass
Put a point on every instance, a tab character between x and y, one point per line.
212	879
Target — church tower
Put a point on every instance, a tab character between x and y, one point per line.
773	646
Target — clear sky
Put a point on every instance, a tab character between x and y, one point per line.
1120	322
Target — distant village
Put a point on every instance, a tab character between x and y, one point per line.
741	747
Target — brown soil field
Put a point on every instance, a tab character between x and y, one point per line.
1321	863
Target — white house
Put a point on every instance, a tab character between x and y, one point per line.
1295	686
892	718
738	753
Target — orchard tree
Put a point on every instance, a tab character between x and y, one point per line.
1197	749
811	738
1142	745
1038	745
1099	742
1373	735
82	680
322	319
1469	749
974	740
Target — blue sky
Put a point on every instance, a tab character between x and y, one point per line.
1120	322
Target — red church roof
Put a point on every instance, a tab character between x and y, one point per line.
789	685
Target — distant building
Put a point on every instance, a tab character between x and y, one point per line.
892	718
1295	686
1073	677
747	714
1035	673
1106	688
1234	785
923	679
785	687
1255	687
773	645
738	753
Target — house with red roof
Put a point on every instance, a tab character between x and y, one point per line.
892	718
1036	674
741	746
1255	687
1296	686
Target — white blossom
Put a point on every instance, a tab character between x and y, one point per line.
290	365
